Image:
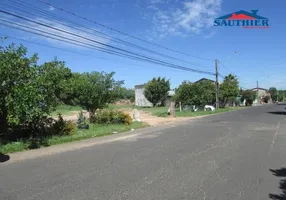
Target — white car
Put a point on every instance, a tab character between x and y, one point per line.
208	107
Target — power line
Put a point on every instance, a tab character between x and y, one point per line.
126	34
98	33
40	44
62	49
72	41
115	49
231	71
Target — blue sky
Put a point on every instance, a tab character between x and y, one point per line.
186	26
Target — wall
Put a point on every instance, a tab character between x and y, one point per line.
140	99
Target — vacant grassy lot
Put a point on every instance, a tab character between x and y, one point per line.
67	110
95	130
156	111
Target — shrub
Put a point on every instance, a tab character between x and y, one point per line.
81	121
62	127
112	117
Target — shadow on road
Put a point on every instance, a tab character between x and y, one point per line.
3	157
278	113
280	173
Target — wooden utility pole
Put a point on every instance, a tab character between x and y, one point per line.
172	109
216	85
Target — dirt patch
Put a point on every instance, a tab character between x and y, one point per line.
151	119
72	116
144	116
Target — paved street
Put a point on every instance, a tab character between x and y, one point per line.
236	155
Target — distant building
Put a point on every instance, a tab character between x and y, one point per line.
260	94
141	100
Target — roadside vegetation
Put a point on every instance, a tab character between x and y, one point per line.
95	130
33	94
35	97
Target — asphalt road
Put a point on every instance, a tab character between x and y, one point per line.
236	155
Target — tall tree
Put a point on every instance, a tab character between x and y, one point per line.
93	90
156	90
229	89
198	94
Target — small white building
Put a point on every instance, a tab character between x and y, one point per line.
140	99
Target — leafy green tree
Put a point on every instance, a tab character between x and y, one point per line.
156	90
273	93
249	96
229	89
128	93
93	90
198	94
28	92
185	93
123	92
281	95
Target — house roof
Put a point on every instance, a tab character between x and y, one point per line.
259	89
139	86
241	15
204	79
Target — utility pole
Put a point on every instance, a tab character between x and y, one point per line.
257	91
216	84
257	85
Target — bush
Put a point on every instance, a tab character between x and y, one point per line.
112	117
81	121
62	127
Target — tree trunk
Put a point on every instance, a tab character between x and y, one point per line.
92	116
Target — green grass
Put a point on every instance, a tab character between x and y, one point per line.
65	110
156	111
95	130
202	113
114	106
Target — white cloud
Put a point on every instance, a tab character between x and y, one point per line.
68	34
51	8
192	17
